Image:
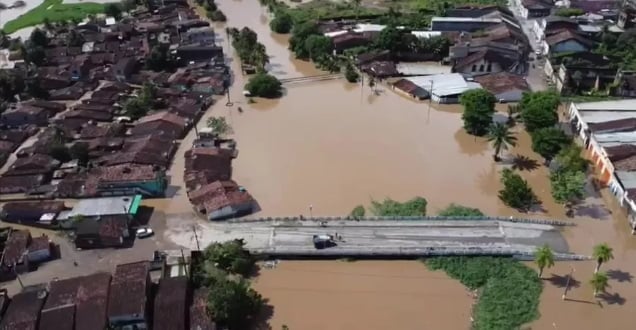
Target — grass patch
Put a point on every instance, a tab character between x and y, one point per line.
55	11
509	291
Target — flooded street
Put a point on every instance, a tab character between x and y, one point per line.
335	145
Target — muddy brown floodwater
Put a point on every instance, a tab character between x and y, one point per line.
334	145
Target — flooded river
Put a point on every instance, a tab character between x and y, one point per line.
334	145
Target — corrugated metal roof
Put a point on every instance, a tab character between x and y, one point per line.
422	69
444	84
621	137
601	116
614	105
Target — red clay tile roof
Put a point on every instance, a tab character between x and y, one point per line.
502	82
217	195
24	311
626	164
128	290
36	164
15	247
39	243
171	304
19	184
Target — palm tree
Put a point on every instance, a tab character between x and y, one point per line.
599	282
544	258
501	137
602	253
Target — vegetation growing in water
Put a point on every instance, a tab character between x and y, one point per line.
53	11
389	207
249	50
479	107
456	210
509	291
516	191
264	85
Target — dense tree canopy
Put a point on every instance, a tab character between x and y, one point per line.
113	10
318	46
300	33
230	256
567	186
570	159
219	126
38	38
479	107
249	50
233	303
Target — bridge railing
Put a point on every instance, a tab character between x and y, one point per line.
552	222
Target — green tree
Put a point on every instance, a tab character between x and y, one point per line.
79	151
60	152
234	304
544	258
128	5
538	110
38	38
219	126
479	107
390	38
230	256
569	12
216	16
455	210
34	55
282	23
389	207
74	39
160	59
318	46
300	32
11	84
135	108
599	283
501	137
264	85
516	191
570	159
351	74
358	212
602	253
548	142
48	26
113	10
567	187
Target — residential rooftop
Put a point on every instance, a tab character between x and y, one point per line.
171	304
129	290
103	206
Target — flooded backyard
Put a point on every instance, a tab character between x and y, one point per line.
334	145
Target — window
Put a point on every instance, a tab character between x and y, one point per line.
474	68
489	67
481	68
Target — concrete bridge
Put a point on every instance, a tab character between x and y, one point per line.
384	238
306	79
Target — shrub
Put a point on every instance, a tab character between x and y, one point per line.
358	212
510	291
264	85
282	23
516	192
216	16
455	210
389	207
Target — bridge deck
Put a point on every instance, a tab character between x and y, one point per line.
384	238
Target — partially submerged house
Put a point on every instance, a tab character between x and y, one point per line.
107	231
96	208
444	88
505	86
221	200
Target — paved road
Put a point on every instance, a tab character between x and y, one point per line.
375	237
535	77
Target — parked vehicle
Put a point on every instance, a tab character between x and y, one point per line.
144	232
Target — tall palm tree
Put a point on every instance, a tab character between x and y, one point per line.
544	258
501	137
602	253
599	282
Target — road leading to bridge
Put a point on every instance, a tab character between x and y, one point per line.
380	238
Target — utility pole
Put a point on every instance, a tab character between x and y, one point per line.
229	101
567	283
196	238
